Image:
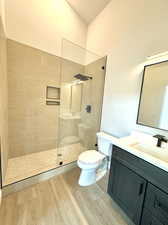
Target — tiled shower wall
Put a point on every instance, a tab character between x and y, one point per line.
3	101
92	94
33	125
68	127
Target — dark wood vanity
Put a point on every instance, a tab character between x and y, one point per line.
139	188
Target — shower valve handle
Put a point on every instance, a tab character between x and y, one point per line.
88	108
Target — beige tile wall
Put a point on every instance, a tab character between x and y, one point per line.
68	70
92	94
3	101
68	127
33	125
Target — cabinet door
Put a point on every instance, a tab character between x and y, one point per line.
156	201
147	219
127	189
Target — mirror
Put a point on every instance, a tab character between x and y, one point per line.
153	105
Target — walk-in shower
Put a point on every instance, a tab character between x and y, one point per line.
49	122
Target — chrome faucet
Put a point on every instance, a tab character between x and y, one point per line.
161	139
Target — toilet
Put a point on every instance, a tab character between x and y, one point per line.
94	164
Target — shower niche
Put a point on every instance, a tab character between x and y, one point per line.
52	95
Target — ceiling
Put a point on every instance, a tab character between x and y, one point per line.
88	9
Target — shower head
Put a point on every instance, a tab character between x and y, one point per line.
82	77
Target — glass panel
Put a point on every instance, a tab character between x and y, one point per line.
33	106
82	86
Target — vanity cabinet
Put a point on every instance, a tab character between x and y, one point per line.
139	188
128	189
156	203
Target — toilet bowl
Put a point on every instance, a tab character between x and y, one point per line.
89	161
94	164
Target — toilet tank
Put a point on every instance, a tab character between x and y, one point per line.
104	143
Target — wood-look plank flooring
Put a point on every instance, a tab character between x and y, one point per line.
60	201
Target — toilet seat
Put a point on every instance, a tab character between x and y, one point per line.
91	157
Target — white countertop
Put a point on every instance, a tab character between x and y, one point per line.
127	144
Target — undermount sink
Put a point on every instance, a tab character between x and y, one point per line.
159	153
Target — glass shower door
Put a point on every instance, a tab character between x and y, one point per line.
82	85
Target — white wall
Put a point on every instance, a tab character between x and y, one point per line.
43	24
128	32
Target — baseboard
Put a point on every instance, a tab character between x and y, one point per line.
6	190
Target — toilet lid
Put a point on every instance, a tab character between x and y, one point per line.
91	156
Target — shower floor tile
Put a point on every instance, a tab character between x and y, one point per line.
26	166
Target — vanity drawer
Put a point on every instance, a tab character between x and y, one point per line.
156	202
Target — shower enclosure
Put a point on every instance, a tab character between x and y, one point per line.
82	85
54	107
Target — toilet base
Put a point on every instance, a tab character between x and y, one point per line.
89	177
